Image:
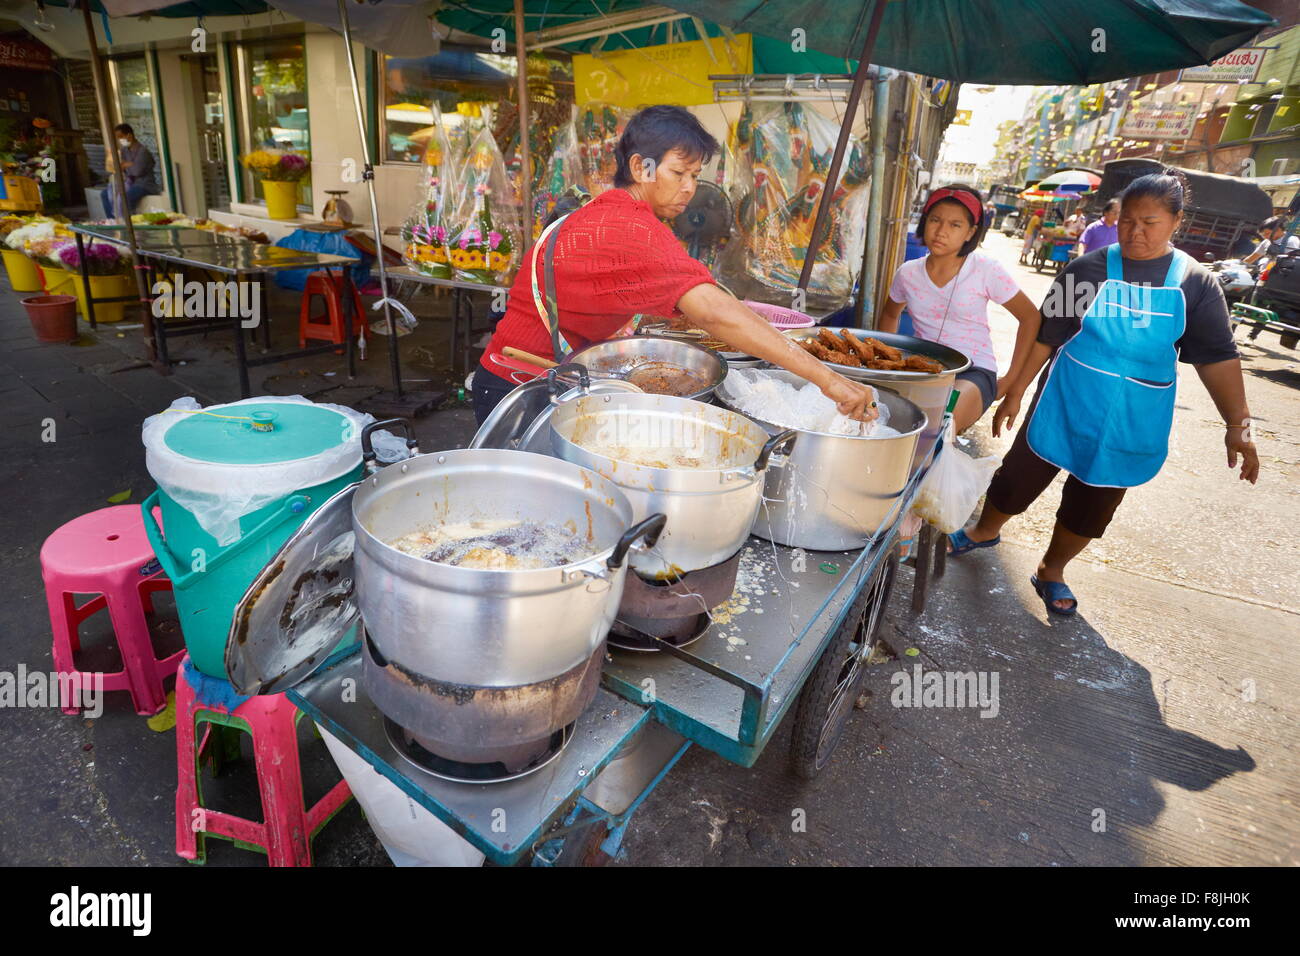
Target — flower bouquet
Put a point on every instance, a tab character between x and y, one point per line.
424	234
102	258
482	249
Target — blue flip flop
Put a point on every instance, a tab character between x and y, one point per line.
962	544
1051	591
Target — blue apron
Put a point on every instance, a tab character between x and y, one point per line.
1108	406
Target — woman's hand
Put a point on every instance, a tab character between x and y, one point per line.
1235	440
851	398
1007	411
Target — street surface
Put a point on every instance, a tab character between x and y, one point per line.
1158	727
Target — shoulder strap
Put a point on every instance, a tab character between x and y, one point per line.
547	309
1178	269
1114	263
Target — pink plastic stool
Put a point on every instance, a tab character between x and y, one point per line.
106	553
271	721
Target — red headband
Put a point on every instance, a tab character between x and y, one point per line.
966	199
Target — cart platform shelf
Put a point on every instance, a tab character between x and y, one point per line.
523	809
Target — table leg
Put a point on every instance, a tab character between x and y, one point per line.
160	326
455	326
921	583
266	312
85	281
241	356
467	340
348	291
940	554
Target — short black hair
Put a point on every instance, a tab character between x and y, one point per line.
969	245
1273	222
1168	187
124	128
1111	203
655	131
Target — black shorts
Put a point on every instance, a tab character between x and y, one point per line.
488	390
986	380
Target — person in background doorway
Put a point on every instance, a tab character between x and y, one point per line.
1031	233
137	172
1102	232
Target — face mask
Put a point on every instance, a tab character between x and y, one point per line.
124	143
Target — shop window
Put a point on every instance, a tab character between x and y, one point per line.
273	74
133	94
408	85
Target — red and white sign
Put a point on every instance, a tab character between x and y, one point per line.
23	53
1239	66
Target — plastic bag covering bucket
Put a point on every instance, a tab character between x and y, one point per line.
231	494
23	276
53	317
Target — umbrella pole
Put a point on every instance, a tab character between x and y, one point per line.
368	175
841	143
119	186
525	151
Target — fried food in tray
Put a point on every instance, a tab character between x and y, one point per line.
845	348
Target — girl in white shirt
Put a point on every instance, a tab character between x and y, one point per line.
947	293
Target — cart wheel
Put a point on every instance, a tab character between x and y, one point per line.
827	698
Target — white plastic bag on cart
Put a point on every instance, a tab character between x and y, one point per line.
411	834
953	485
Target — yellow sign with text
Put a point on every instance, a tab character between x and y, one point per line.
672	73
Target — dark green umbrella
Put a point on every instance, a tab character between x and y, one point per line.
1005	41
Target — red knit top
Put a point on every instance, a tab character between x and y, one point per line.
613	260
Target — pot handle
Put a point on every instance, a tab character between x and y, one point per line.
649	530
568	368
368	449
785	438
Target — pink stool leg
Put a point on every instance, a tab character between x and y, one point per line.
188	840
136	645
63	621
279	777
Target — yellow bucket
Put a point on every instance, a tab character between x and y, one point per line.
23	276
281	199
105	287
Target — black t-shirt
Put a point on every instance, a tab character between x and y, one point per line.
1207	337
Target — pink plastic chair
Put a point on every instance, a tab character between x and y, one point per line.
107	554
271	721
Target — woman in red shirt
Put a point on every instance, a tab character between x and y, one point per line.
615	258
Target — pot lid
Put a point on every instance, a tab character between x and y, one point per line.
253	433
300	605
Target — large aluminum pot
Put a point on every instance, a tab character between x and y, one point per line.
486	658
929	390
835	490
710	510
620	357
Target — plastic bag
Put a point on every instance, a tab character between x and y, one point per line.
425	232
411	834
219	495
951	488
486	232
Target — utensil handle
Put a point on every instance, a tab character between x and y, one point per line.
650	529
785	438
368	449
511	352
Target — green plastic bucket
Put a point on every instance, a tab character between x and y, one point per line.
205	454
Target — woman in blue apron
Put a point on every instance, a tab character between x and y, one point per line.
1119	320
